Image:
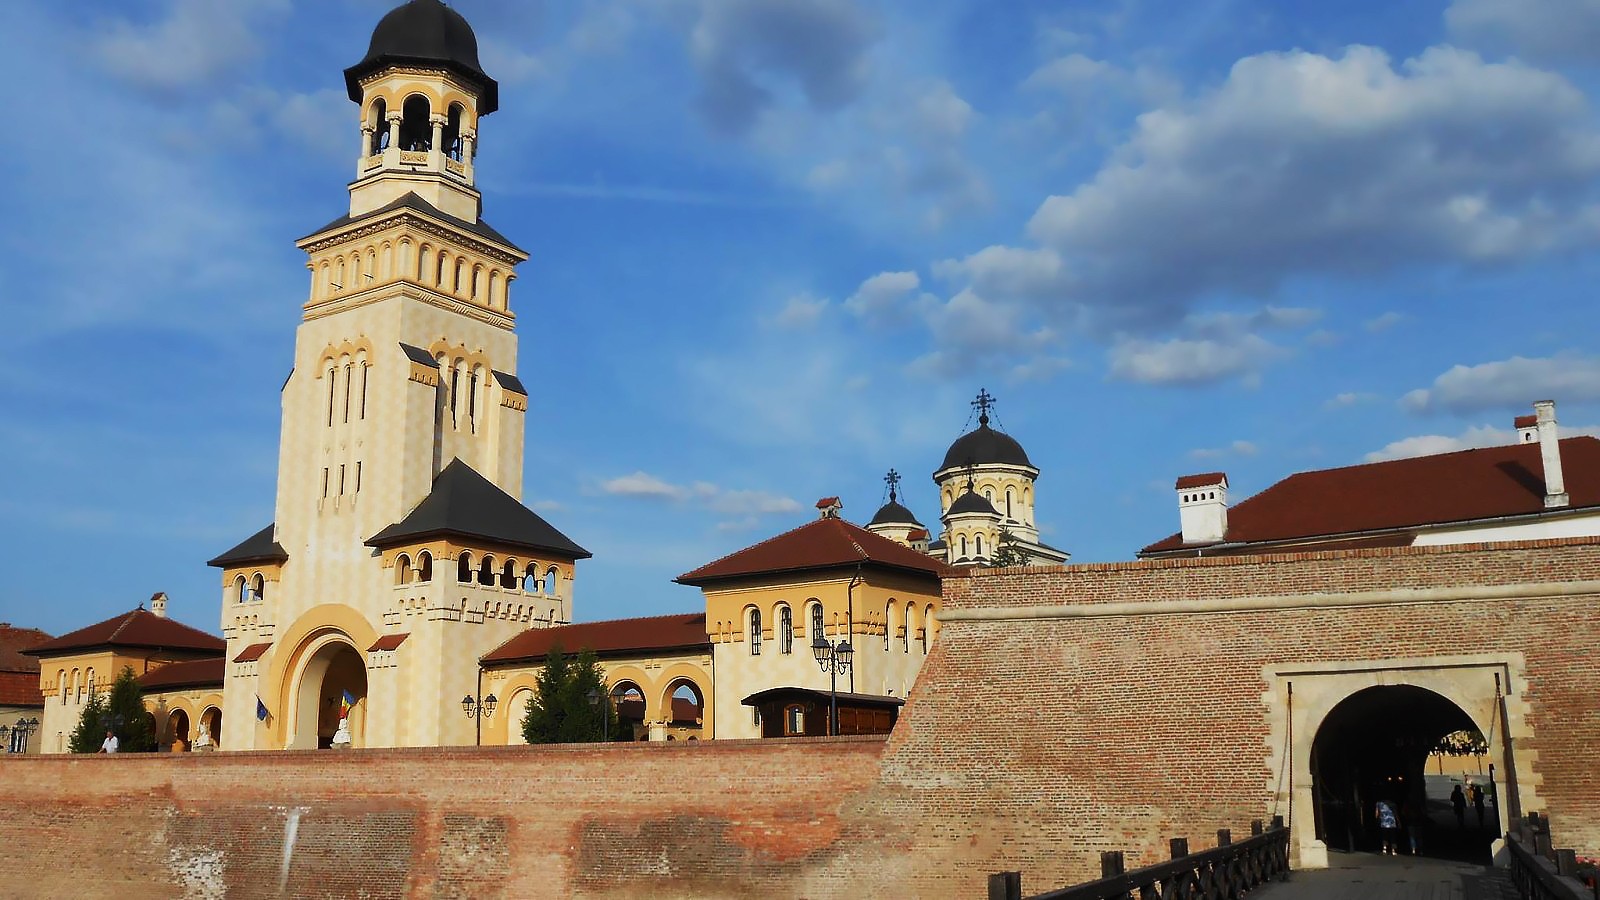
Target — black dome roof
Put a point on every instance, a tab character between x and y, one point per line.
972	503
984	445
425	32
892	513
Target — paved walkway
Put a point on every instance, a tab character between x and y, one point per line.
1369	876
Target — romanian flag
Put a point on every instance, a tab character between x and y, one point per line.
345	704
261	711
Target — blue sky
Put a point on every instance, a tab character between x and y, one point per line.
779	244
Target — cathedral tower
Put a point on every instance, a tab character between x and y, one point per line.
400	551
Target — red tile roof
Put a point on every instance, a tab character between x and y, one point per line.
684	631
1525	421
1465	486
20	689
819	544
191	673
13	641
389	642
252	652
1206	479
136	628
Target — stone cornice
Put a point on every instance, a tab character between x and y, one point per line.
407	290
410	218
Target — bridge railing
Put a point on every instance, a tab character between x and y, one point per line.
1225	872
1540	871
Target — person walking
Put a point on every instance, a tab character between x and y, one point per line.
110	745
1476	793
1458	801
1389	826
1413	814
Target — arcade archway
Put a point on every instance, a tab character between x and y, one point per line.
330	673
1374	745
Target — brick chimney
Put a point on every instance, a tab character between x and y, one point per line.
1555	487
1203	507
158	604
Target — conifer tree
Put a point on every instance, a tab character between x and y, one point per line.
91	730
1007	552
561	711
125	714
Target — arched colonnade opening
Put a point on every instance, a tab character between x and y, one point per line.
331	671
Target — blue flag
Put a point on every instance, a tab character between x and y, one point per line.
261	710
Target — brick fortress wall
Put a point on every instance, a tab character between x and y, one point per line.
1032	741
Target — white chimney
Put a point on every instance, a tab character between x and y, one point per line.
828	507
158	604
1555	487
1203	507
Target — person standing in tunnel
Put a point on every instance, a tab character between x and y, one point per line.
1476	794
1458	801
1389	826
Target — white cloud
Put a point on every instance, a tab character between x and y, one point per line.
1191	361
1546	30
972	333
1236	448
879	297
1513	383
1348	398
1347	166
1002	271
1429	444
704	494
801	311
195	42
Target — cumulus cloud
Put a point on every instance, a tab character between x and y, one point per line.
1211	347
1429	444
195	41
643	485
1509	383
1002	271
1304	164
974	333
747	50
1545	30
880	297
1383	322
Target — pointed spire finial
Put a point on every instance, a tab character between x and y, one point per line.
893	479
983	404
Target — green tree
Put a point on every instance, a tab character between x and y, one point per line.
562	711
1462	743
91	730
1007	552
125	714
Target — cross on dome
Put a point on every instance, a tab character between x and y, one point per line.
893	480
983	404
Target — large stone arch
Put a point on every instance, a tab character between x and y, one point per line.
323	667
1486	688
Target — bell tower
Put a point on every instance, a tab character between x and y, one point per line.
421	91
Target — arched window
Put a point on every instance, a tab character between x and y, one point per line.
241	590
416	132
1008	503
963	546
424	566
61	684
905	639
508	574
258	587
402	569
88	680
464	569
816	620
927	626
380	126
452	132
550	581
755	632
888	622
486	571
978	542
785	629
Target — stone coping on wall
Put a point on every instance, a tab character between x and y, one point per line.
868	743
1283	556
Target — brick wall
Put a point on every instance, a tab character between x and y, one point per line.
1028	743
663	820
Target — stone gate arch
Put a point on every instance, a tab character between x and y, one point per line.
322	669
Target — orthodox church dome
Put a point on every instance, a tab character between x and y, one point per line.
425	32
892	513
982	446
970	502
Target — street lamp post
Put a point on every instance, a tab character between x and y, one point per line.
478	710
834	658
16	735
605	715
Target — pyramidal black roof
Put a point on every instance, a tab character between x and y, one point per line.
258	547
466	504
